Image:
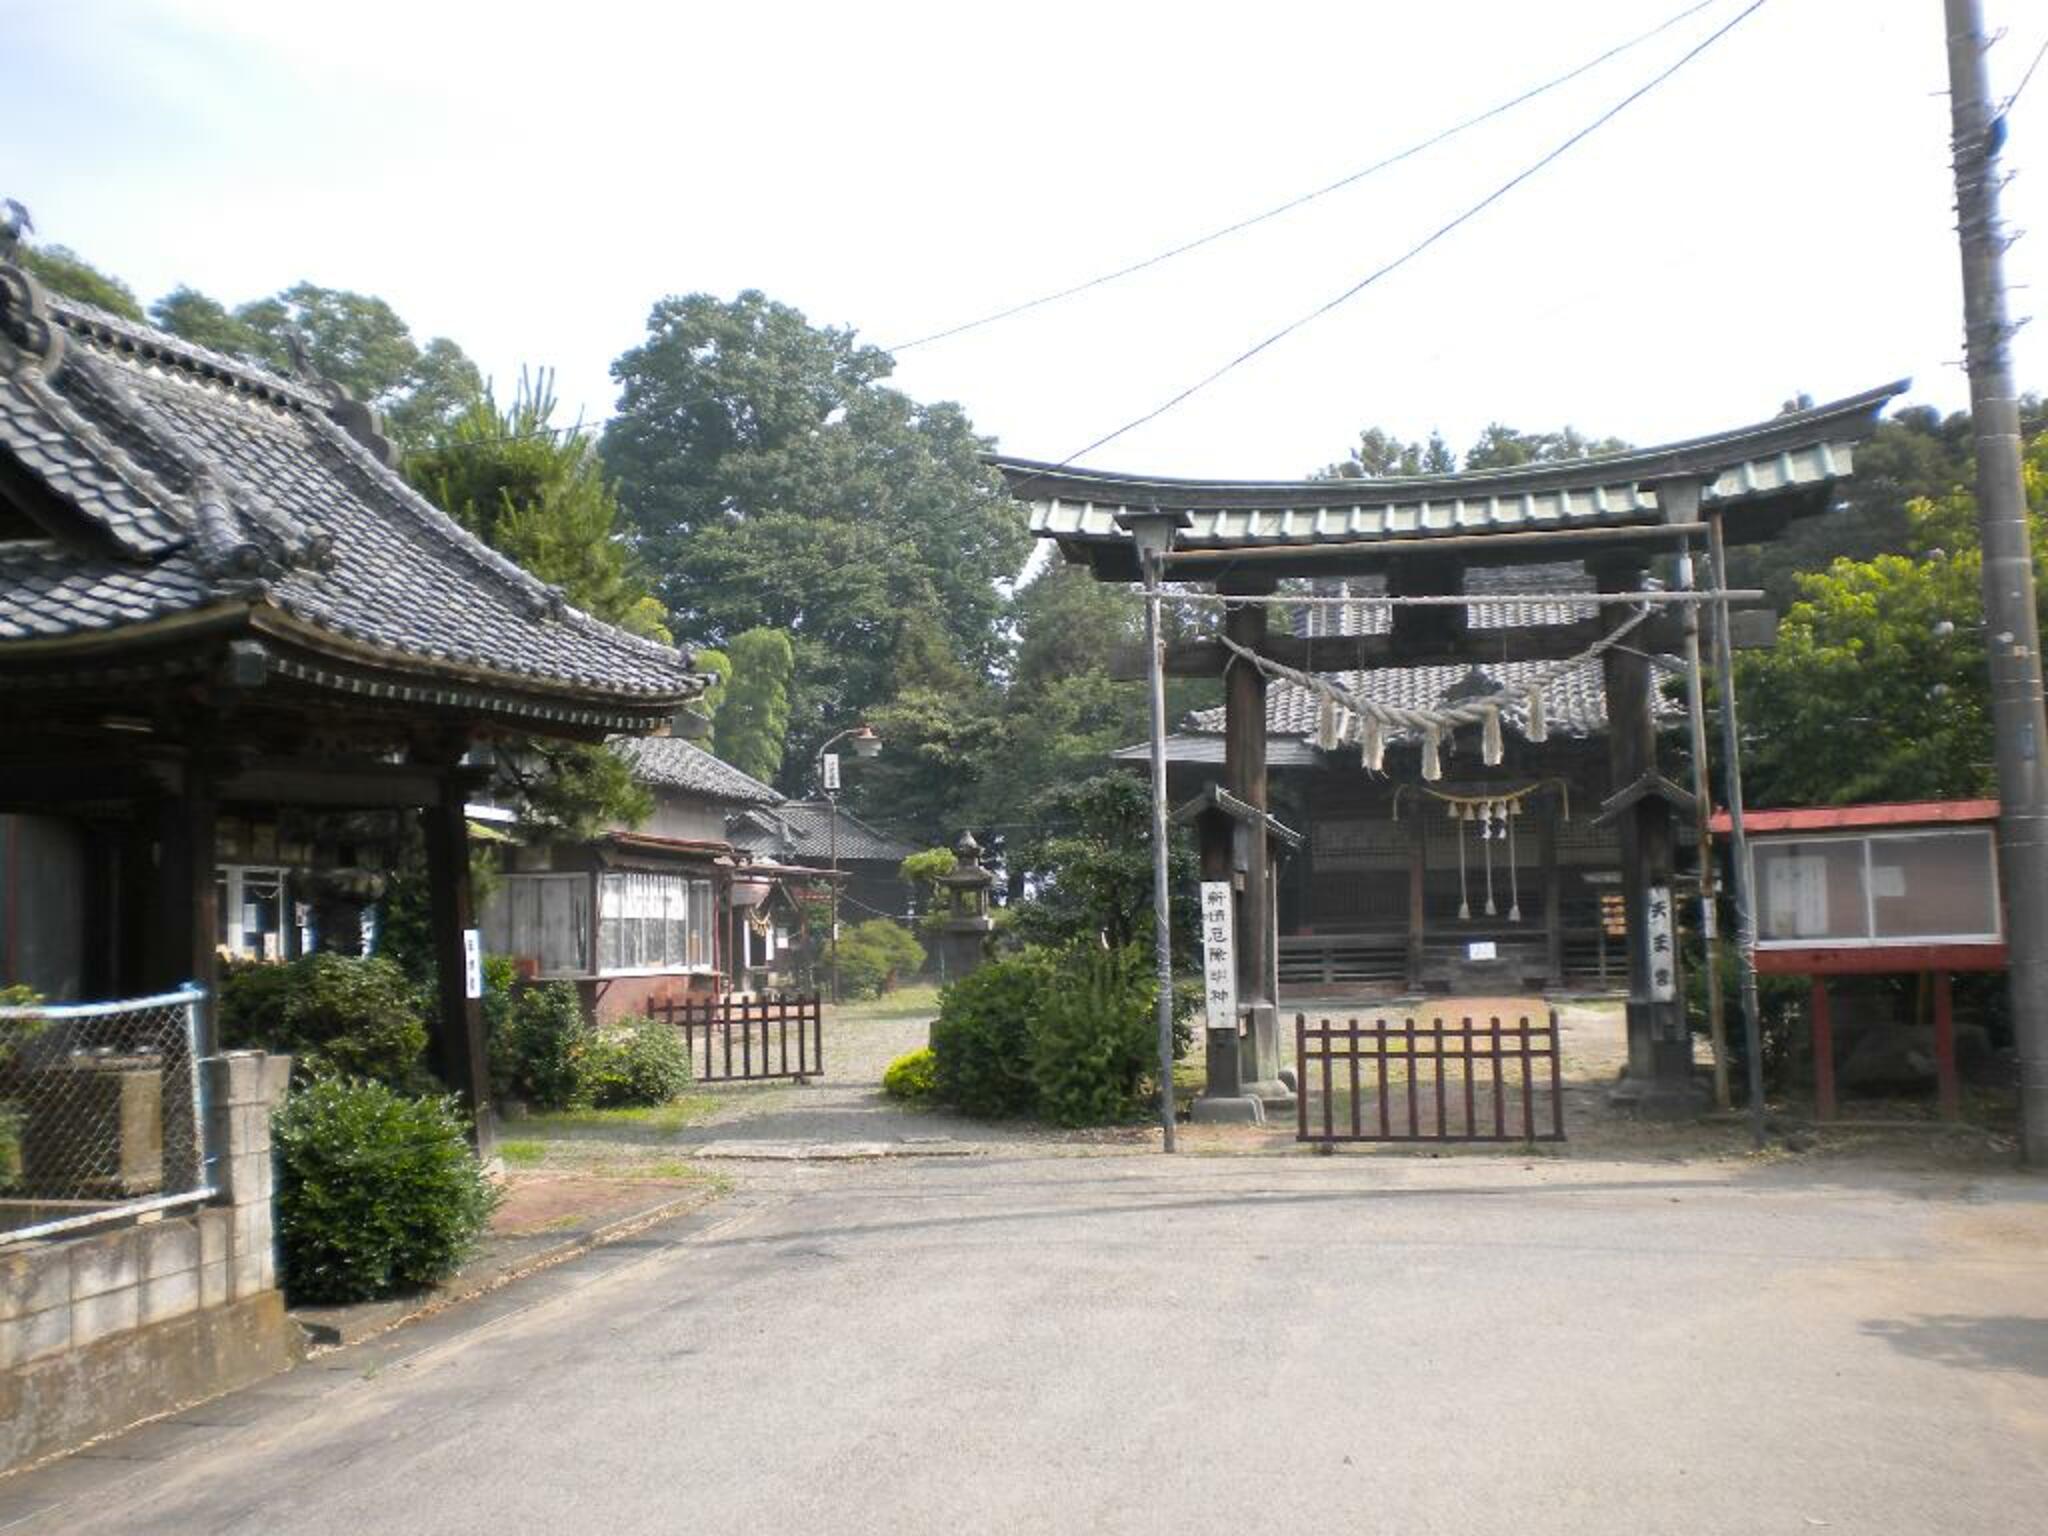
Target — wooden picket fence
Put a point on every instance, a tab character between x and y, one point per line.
748	1039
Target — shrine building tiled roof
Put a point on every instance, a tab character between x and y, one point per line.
150	488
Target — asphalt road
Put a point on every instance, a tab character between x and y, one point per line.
1128	1344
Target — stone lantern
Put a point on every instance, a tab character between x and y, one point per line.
964	941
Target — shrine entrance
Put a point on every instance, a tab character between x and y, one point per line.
1424	655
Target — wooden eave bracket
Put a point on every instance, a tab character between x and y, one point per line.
1651	785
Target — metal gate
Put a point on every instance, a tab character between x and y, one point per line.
1429	1082
748	1039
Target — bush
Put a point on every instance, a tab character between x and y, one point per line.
874	955
981	1040
377	1192
912	1078
1094	1036
536	1052
336	1014
644	1063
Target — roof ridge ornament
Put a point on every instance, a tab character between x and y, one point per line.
358	418
25	316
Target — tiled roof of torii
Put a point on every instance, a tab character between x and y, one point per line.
171	487
1787	462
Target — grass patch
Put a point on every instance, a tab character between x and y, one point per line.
916	1001
656	1120
522	1154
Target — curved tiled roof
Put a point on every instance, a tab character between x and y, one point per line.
802	830
1789	456
669	762
176	482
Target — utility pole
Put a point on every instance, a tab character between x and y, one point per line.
1702	792
2012	638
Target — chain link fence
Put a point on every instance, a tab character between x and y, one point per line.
101	1113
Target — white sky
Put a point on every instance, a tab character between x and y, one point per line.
528	179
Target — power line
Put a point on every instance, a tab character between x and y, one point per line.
2007	105
1422	245
1307	197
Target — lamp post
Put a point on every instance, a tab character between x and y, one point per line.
1152	532
866	744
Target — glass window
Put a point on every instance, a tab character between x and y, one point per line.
1811	890
653	922
1934	885
542	918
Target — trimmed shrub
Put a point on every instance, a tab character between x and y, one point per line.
542	1037
1093	1036
913	1078
377	1193
641	1064
336	1014
981	1040
874	955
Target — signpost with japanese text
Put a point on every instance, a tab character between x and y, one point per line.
1219	964
1657	933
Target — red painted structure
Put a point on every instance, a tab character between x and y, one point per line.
1937	958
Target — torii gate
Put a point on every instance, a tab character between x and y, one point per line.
1618	514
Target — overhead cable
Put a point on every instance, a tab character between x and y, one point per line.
1307	197
1420	246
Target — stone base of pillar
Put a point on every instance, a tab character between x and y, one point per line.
1228	1110
1660	1100
1277	1097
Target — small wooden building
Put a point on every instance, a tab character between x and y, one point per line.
222	609
651	913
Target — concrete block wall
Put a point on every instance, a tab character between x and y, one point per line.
102	1330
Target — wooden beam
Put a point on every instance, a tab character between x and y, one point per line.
354	785
1355	653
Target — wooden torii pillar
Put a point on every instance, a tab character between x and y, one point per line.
1244	776
1659	1075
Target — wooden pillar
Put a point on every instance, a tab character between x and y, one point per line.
1418	896
1220	1049
172	917
1659	1047
1948	1087
458	1032
1244	775
1553	903
1823	1052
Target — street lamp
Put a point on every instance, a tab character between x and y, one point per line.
1152	532
866	744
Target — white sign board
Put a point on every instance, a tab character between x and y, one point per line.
831	761
1657	933
1482	949
472	963
1219	963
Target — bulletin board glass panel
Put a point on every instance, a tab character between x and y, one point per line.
1934	885
1811	891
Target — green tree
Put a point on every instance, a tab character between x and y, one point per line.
1877	688
777	483
206	322
1091	862
62	270
1503	447
752	722
537	493
1380	455
358	341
